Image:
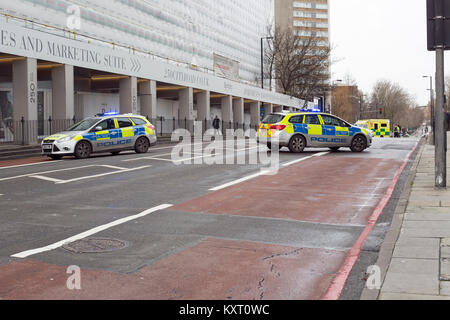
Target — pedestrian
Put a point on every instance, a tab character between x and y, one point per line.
397	131
216	126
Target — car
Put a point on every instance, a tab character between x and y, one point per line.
107	132
310	129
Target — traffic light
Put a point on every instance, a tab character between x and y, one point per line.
381	111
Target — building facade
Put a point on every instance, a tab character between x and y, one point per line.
308	19
65	60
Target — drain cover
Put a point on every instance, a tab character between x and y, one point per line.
96	245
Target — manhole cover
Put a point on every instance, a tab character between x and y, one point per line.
96	245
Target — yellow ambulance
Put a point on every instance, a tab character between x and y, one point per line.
380	127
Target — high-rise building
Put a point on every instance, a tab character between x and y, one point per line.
307	19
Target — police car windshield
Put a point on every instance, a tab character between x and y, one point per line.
84	125
273	118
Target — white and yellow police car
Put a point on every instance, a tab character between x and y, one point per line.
109	132
309	129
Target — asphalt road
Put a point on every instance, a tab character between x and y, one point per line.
193	231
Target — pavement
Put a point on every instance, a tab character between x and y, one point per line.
415	257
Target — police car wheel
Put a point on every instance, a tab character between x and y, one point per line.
83	150
297	144
142	145
359	144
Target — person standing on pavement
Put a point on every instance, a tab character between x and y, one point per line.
397	131
216	125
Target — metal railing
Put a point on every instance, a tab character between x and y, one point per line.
29	132
166	126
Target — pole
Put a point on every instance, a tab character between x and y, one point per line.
440	134
432	111
262	65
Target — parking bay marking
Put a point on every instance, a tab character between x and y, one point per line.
90	232
40	175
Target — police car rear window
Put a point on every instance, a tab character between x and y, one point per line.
273	118
138	121
124	122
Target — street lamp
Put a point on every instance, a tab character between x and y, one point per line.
431	104
262	60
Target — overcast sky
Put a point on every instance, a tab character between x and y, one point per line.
383	39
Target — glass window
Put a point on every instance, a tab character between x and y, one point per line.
312	119
296	119
332	121
124	122
139	121
84	125
273	118
108	124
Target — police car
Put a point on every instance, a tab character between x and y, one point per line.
309	129
109	132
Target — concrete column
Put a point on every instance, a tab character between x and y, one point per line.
255	114
268	108
25	100
277	108
63	93
238	111
186	99
227	111
203	106
147	92
128	95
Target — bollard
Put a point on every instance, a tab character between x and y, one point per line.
23	130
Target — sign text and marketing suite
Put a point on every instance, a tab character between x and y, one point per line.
36	44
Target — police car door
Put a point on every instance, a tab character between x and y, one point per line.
127	132
105	137
314	127
335	131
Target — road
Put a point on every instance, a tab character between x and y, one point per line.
168	230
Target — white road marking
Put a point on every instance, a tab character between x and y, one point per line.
90	232
146	158
113	167
101	175
304	159
232	183
30	164
45	172
47	179
263	172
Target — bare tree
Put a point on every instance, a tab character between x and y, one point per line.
299	65
396	104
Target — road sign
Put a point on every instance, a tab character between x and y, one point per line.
438	24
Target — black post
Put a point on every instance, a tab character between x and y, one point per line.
23	130
173	124
440	137
50	124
